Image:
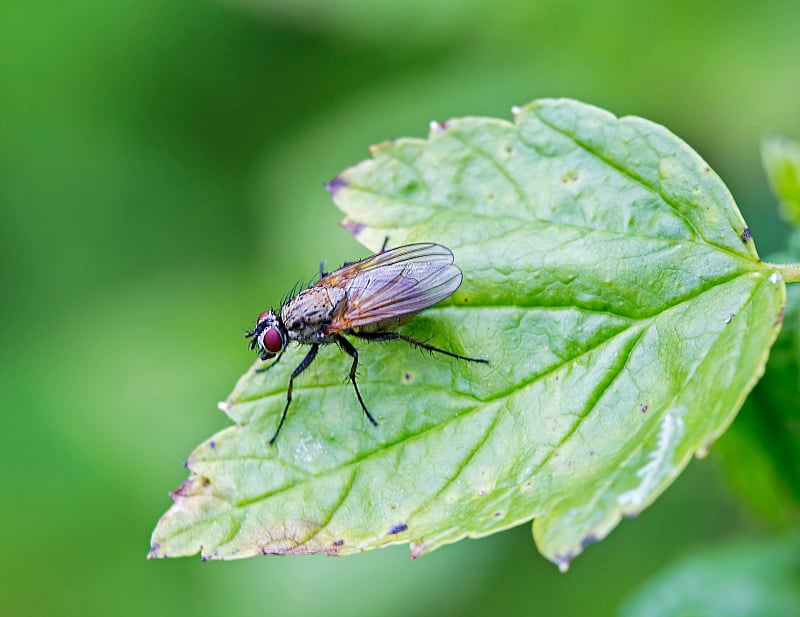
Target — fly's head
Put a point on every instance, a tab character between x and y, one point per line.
268	337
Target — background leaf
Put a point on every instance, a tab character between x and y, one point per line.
742	579
608	279
781	158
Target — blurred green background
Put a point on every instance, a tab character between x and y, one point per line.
161	169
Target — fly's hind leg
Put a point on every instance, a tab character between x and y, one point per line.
348	348
391	336
312	353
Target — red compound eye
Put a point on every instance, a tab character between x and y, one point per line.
272	340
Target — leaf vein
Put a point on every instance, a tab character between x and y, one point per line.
503	171
656	190
461	467
347	490
592	400
413	168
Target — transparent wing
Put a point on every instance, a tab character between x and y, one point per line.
396	282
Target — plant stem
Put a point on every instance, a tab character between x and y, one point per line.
789	272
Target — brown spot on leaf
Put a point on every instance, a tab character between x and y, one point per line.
781	313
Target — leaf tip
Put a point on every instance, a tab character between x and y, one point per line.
563	561
438	126
224	406
153	553
354	227
702	452
333	186
590	539
184	489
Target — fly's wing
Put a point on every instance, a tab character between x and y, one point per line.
396	282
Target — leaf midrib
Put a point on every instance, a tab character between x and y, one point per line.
691	295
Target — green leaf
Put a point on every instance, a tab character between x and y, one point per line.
743	579
781	158
609	279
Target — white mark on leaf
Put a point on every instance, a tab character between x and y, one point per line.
659	462
308	449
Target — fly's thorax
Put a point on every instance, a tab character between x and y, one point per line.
305	315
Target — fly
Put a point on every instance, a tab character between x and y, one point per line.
367	299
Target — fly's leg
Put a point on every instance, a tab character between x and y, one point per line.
271	364
390	336
348	348
312	353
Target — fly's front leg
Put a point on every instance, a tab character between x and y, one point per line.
271	364
312	353
391	336
348	348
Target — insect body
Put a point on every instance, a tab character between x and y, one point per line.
367	299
